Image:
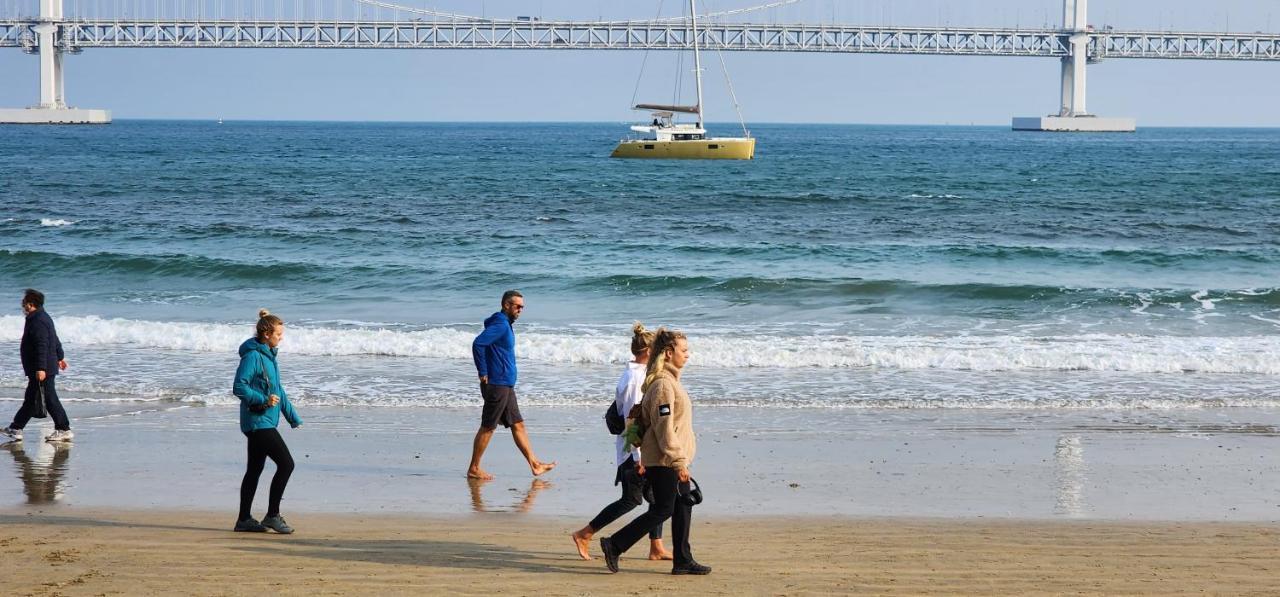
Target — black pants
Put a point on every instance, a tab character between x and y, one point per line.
634	490
51	403
666	489
263	444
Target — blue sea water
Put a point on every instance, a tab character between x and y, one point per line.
847	266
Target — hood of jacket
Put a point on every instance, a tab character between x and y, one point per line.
498	317
252	345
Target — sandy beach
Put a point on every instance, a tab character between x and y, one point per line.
165	553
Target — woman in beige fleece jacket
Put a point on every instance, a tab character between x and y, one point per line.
667	451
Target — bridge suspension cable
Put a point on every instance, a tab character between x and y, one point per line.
474	19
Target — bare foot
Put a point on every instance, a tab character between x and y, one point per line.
660	555
479	475
543	467
581	541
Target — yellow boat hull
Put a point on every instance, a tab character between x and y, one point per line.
705	149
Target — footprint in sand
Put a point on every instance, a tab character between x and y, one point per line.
62	556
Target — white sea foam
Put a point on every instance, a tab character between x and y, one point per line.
55	222
1085	352
1205	303
79	392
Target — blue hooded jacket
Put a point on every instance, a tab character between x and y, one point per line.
494	351
257	377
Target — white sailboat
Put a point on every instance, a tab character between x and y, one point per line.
667	139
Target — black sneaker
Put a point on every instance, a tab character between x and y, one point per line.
249	525
691	568
277	524
610	554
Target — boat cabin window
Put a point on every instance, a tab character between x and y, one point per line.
688	137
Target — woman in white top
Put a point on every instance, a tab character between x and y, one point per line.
630	472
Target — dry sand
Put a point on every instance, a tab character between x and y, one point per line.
81	552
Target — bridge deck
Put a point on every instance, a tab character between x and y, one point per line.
542	35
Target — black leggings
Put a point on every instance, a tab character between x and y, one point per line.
635	491
263	444
666	489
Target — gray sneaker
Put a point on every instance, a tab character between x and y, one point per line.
10	435
277	524
60	435
249	525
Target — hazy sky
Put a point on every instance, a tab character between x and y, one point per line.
598	85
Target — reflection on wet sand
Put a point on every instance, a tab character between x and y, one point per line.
41	476
1069	467
525	504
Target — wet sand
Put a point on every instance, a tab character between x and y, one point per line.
1191	465
164	553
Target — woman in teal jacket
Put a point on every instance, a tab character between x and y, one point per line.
262	399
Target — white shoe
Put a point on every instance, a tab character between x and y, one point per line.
10	435
60	436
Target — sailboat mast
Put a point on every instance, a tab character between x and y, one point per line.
697	58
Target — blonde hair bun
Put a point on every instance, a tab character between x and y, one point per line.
640	338
262	313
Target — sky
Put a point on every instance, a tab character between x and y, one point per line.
457	85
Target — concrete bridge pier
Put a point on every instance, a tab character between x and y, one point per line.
52	108
1073	115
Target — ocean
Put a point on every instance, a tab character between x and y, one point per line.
846	267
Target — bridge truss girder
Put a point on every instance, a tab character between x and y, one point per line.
516	35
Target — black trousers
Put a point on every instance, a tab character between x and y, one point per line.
51	403
635	491
263	444
666	491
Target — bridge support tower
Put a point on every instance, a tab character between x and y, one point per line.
53	105
1073	116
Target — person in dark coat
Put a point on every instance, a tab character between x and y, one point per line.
42	359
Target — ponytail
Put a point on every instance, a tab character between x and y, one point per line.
663	340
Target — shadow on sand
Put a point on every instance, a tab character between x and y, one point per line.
436	554
81	521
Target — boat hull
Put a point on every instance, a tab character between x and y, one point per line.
705	149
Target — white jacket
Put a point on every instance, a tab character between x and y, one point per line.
626	397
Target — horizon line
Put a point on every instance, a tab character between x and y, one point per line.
617	122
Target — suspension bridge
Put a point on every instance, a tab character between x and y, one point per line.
52	35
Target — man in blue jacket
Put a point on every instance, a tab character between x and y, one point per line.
42	358
494	351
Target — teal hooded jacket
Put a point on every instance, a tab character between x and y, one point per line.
257	377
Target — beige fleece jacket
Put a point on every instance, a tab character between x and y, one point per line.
668	419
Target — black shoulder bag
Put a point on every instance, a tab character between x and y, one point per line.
613	419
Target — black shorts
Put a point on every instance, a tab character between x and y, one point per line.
499	406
